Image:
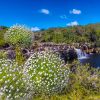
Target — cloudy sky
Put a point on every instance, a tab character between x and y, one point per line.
49	13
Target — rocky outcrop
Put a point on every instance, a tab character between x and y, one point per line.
68	55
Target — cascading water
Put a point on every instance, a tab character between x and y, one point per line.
91	59
81	54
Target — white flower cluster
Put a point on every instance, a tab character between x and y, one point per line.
19	34
11	83
45	74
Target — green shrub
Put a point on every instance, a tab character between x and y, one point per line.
3	54
84	82
2	32
20	59
19	35
12	86
43	77
46	74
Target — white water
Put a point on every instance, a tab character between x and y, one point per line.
81	54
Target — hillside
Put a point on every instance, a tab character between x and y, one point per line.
88	33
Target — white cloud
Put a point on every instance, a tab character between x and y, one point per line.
63	17
45	11
75	11
75	23
34	29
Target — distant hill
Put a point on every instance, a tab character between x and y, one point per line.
87	33
95	26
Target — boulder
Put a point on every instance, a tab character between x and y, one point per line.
11	54
68	55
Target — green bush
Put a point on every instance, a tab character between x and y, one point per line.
44	77
46	74
3	54
84	82
2	32
12	86
19	35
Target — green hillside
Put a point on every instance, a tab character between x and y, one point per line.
88	33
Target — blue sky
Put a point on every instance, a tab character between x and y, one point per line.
49	13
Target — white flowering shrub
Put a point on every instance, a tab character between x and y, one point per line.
20	35
45	74
12	85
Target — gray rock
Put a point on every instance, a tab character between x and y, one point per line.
11	54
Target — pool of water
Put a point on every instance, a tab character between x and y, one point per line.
93	60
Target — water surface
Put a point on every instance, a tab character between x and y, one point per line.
92	59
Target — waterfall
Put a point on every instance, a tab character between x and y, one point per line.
81	54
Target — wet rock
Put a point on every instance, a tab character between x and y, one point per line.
68	55
72	54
